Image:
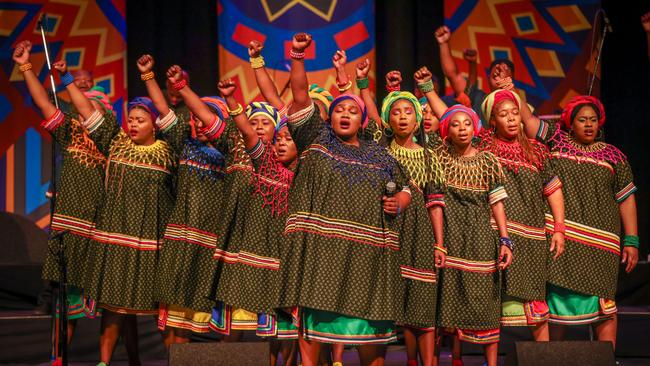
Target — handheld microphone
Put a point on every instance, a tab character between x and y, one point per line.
391	189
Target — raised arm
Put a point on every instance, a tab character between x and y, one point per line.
343	81
363	68
145	65
193	102
471	56
79	100
38	93
264	81
443	35
227	89
423	80
299	83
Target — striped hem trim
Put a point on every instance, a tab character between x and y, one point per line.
583	159
125	240
351	338
418	274
530	232
54	121
159	168
497	194
257	151
166	122
624	193
300	117
479	336
94	121
466	265
323	150
247	258
214	130
552	186
599	239
347	230
166	320
238	168
74	225
191	235
435	200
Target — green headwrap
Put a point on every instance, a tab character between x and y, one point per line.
394	97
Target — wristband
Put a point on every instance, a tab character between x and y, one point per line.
363	83
631	241
179	85
507	242
392	88
426	87
236	111
147	76
345	87
440	248
26	67
296	55
559	227
257	62
67	79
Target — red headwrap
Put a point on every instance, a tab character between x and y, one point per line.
577	101
451	111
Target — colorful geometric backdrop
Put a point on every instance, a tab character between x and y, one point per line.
548	41
334	25
89	35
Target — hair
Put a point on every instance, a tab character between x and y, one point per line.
524	142
498	61
578	108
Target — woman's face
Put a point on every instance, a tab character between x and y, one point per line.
263	126
585	125
402	119
141	129
461	129
506	119
346	120
285	148
198	127
431	122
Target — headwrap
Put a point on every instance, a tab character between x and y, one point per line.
446	118
264	108
356	99
147	104
393	97
97	94
318	93
218	105
279	126
577	101
497	97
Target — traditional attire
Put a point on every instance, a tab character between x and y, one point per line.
469	297
596	178
124	250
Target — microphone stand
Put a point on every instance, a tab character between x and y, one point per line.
606	28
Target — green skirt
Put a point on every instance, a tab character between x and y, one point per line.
79	306
329	327
516	312
572	308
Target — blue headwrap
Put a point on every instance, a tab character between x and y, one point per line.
147	104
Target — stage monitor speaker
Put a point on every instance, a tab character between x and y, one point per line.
219	354
562	353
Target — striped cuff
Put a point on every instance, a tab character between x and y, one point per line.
302	116
407	189
257	151
214	129
94	121
283	111
553	185
167	122
435	200
624	193
54	121
542	132
497	194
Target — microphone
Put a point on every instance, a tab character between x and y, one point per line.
391	189
41	19
608	24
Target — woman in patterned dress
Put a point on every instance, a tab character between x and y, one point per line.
469	297
599	195
139	196
529	180
185	262
341	267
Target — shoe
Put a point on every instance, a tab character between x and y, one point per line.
102	364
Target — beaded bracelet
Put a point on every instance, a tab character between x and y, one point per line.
296	55
147	76
559	227
25	67
440	248
392	88
507	242
257	62
236	111
631	241
345	87
426	87
363	83
67	79
179	85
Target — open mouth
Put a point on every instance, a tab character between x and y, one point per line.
428	124
133	133
345	123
